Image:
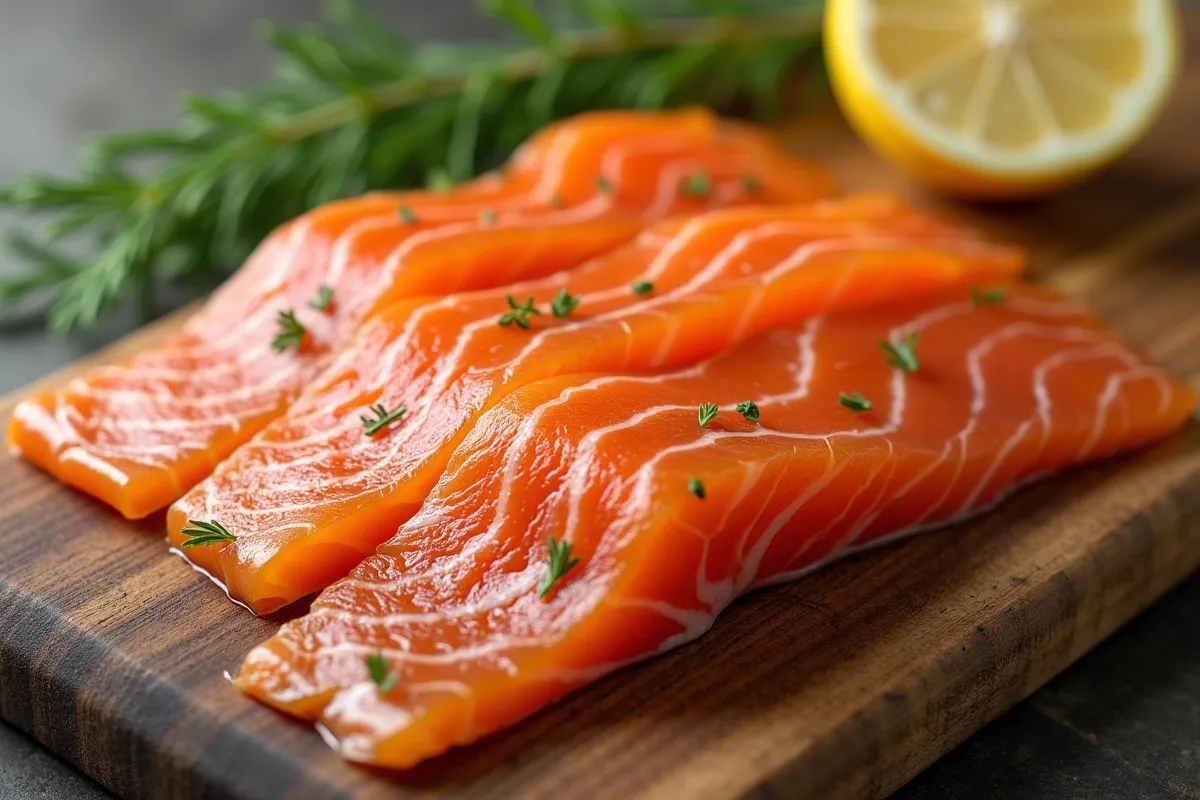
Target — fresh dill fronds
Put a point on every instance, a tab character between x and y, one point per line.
642	288
696	487
708	411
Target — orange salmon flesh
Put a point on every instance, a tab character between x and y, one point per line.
312	494
1003	394
139	434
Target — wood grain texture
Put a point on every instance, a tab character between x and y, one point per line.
843	684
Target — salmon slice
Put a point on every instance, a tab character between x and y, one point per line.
139	434
312	495
672	521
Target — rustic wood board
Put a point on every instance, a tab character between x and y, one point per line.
843	684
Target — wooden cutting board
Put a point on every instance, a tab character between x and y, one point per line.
843	684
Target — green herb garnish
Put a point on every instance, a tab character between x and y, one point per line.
487	217
987	297
291	333
748	410
520	314
696	487
751	184
706	414
205	533
855	402
560	564
698	184
324	301
353	108
407	215
902	354
381	673
563	303
382	419
604	185
642	287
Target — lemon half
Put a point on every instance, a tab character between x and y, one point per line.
1001	98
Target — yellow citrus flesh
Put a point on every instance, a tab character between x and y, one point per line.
1001	98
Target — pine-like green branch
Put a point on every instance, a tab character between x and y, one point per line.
353	108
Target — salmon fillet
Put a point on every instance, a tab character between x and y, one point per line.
672	521
139	434
313	494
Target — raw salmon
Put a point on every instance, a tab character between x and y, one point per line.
139	434
671	521
313	494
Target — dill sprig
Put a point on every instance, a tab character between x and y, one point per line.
706	414
353	108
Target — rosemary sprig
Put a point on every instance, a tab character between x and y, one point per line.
748	410
202	534
382	419
520	313
379	670
564	303
707	413
291	333
353	108
560	564
902	354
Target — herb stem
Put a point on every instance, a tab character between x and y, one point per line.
529	63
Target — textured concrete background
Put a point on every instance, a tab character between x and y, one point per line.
1123	723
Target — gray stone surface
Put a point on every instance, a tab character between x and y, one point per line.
1123	723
